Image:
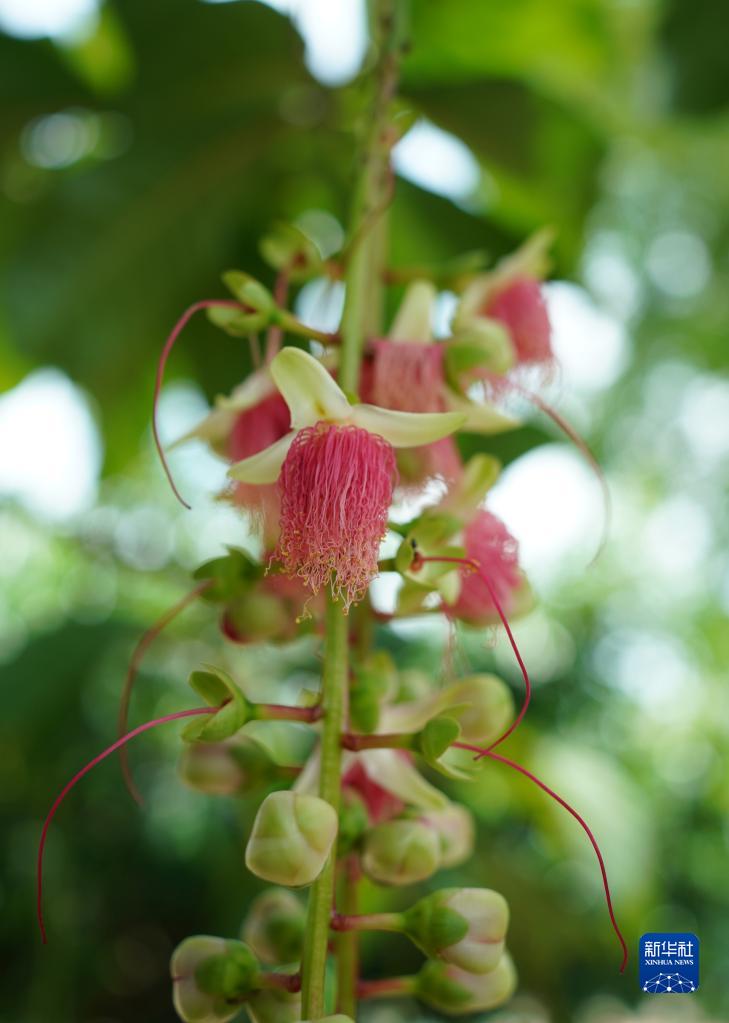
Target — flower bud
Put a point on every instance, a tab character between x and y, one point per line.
456	832
354	820
211	977
291	839
483	347
401	852
258	617
274	1005
228	768
462	926
455	992
274	927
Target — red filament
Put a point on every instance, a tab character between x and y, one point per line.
80	774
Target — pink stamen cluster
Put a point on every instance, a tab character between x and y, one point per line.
407	376
335	489
520	306
489	543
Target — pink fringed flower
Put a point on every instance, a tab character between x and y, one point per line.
335	489
335	471
521	308
487	542
408	376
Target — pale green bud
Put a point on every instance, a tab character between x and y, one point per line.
401	852
462	926
211	977
339	1018
456	831
483	346
291	839
274	927
227	768
455	992
274	1005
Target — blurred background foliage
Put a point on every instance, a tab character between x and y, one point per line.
145	147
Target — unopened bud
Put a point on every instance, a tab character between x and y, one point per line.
211	977
291	839
274	927
483	347
274	1005
401	852
462	926
455	992
258	617
228	768
456	832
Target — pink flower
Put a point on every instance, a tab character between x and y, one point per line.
335	489
521	308
335	471
488	542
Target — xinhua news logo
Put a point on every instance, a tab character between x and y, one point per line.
669	963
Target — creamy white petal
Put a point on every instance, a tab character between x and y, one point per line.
414	318
480	416
308	390
266	465
406	429
389	769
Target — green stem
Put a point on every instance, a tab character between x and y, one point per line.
321	898
365	254
369	922
393	740
346	942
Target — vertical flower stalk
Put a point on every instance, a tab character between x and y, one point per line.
362	282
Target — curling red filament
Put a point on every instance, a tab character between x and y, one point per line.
335	487
580	820
135	661
168	346
77	778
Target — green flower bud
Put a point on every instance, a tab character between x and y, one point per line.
258	617
292	838
455	992
374	679
229	576
229	768
274	927
483	346
456	832
211	977
401	852
339	1018
462	926
274	1005
287	248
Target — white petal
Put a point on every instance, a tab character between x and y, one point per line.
266	465
308	390
398	776
406	429
480	416
414	318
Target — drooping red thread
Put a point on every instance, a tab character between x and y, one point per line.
580	820
135	661
85	770
476	567
168	346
